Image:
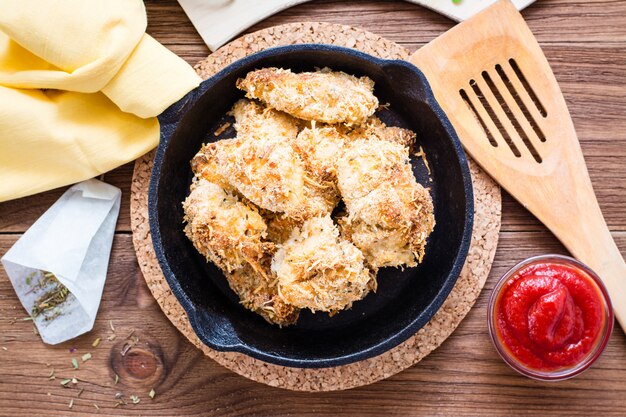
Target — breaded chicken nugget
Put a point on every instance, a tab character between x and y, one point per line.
326	96
263	166
317	269
266	171
377	129
390	214
204	164
260	122
367	163
261	296
230	233
319	149
390	225
222	228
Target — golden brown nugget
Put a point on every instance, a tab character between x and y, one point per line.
205	165
319	270
260	295
319	149
390	225
255	120
224	229
325	96
231	233
367	163
375	128
390	214
266	171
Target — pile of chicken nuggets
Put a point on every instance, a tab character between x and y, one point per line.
311	198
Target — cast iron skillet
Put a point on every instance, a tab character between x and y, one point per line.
405	300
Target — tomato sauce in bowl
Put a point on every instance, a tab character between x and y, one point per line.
550	317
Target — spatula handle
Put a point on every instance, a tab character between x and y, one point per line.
601	254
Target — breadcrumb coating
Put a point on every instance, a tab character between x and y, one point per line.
319	149
266	171
230	233
319	270
375	128
263	166
205	165
325	96
257	121
390	214
222	228
261	296
367	163
279	226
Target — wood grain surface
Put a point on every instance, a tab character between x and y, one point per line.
584	41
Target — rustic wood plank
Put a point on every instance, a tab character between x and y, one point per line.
583	41
552	21
464	377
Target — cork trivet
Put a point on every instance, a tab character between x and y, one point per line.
457	305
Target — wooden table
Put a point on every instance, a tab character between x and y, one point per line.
585	42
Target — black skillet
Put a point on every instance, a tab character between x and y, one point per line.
405	300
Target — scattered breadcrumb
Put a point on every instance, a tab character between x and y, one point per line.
221	129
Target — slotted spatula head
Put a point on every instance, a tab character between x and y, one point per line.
493	81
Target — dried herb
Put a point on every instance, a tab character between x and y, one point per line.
74	381
152	393
71	404
125	349
135	399
80	392
96	405
74	363
51	377
4	348
53	294
111	324
120	402
96	342
86	357
117	379
65	382
29	277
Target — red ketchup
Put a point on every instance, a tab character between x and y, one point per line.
549	315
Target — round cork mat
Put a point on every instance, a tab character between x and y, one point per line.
487	219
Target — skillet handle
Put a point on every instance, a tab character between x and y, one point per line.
216	331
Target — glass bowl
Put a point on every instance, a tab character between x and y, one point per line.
564	372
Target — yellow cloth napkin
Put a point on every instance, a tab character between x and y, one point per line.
80	86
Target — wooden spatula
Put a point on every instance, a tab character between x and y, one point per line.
496	86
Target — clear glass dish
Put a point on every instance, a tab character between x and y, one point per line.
565	372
